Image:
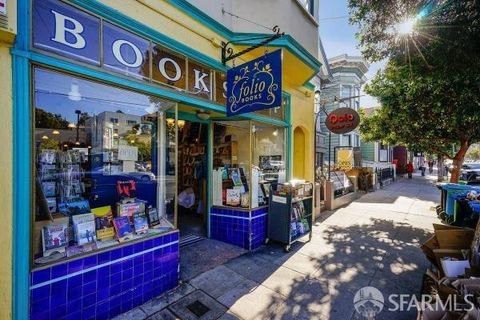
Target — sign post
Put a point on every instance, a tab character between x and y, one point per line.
255	85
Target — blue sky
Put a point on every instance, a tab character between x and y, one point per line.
338	37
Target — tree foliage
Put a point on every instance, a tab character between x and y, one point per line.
45	119
430	88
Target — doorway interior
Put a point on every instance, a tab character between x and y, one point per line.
192	181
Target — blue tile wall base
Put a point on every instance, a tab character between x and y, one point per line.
243	228
106	284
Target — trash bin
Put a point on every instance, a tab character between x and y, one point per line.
450	190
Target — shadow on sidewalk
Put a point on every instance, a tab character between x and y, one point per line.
383	254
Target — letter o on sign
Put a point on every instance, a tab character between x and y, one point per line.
117	45
163	71
342	120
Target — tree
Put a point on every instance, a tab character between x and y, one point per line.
473	153
45	119
430	88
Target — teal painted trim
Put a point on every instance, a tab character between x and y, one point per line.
288	118
114	16
201	17
254	117
210	174
128	83
21	187
143	30
309	86
21	223
287	42
187	116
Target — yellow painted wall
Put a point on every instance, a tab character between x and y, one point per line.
6	182
298	153
171	22
302	115
7	36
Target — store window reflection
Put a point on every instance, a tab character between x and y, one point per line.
269	161
105	165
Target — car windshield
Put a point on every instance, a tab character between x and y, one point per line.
472	166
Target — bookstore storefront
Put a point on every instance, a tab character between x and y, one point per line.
125	149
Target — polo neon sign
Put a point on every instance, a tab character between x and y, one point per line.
342	120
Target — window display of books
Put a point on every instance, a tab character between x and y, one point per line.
99	228
60	176
85	226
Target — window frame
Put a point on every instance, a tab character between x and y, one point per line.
32	161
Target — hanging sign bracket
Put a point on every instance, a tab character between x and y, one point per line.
227	51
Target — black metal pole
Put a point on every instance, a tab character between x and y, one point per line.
329	152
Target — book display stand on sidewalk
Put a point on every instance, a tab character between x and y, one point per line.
290	213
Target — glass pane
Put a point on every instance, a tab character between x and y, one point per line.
231	163
269	161
276	113
125	52
105	161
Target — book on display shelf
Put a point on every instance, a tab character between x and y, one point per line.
152	216
54	239
104	223
84	228
141	223
123	229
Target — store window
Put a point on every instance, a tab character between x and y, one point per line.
248	156
105	166
231	164
269	161
275	113
346	140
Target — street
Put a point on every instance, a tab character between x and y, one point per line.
374	241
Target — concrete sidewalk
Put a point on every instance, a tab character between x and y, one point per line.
374	241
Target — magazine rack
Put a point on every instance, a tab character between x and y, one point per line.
290	215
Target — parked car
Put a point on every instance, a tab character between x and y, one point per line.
470	172
276	164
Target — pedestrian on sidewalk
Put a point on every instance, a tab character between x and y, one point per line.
410	169
422	167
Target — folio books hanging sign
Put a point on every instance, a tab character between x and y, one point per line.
255	85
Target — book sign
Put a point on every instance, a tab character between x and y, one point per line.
3	6
342	120
255	85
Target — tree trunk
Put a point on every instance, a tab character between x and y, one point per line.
458	161
440	168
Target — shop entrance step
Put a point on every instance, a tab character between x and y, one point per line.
190	239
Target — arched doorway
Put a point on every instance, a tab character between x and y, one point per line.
299	153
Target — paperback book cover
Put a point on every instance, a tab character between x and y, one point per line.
141	223
104	223
84	228
129	209
54	238
237	181
152	216
233	197
123	228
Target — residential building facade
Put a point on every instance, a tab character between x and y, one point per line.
348	77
